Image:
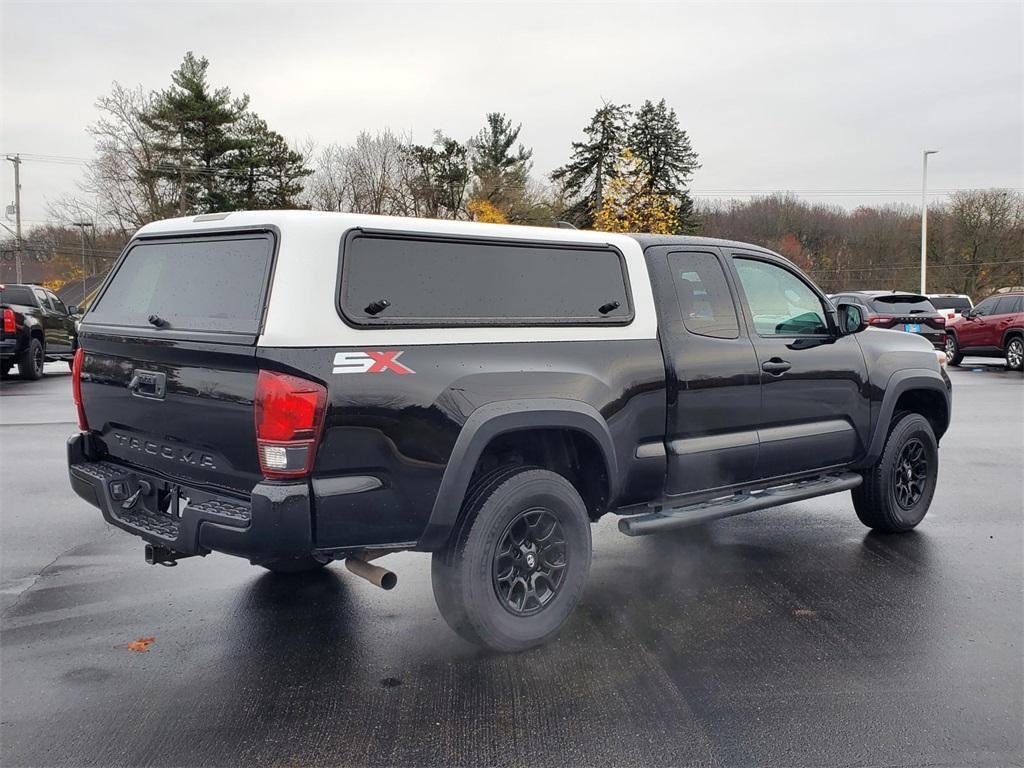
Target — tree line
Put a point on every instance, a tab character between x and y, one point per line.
193	147
975	240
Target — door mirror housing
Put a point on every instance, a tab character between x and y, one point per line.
73	309
851	318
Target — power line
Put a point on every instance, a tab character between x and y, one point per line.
172	168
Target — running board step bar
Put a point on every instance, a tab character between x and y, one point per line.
668	518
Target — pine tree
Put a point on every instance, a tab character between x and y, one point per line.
264	172
193	123
439	174
501	172
664	157
593	163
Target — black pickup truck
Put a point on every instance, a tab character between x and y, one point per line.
295	388
37	328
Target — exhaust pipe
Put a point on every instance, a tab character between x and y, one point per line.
374	574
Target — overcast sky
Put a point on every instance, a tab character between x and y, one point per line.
800	96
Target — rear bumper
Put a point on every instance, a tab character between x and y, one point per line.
276	522
10	348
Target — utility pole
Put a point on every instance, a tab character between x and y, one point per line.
81	227
924	219
16	159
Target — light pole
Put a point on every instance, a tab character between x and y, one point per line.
924	219
16	159
81	226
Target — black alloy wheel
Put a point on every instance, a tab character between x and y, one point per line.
910	474
529	562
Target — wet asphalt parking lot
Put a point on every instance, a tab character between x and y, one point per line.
790	637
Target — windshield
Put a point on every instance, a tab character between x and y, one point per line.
902	304
959	303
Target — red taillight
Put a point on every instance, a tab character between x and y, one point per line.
885	322
9	326
76	388
289	417
939	321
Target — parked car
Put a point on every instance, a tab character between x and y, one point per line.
37	327
296	387
909	312
951	305
994	328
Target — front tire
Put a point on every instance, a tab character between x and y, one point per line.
30	364
517	563
1015	354
898	489
953	354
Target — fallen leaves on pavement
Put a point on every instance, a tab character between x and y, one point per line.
141	645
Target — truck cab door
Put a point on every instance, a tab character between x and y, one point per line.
64	334
815	404
50	322
713	380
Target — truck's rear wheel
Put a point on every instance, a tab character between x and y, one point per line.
517	563
30	364
898	489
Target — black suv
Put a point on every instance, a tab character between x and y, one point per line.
295	388
906	312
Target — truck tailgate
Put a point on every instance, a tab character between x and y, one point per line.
169	369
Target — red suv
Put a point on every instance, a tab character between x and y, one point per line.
994	328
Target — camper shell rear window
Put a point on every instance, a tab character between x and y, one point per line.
404	280
198	285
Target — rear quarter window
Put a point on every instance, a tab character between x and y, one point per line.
409	281
196	284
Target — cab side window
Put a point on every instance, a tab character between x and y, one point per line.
1007	305
57	303
781	304
42	298
703	295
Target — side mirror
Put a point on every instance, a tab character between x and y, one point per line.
73	309
970	313
851	319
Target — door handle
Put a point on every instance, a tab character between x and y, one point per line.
776	366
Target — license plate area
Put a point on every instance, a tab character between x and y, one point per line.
132	493
912	327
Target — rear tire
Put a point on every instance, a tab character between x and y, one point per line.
30	364
1015	354
294	565
953	354
517	562
898	489
5	368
